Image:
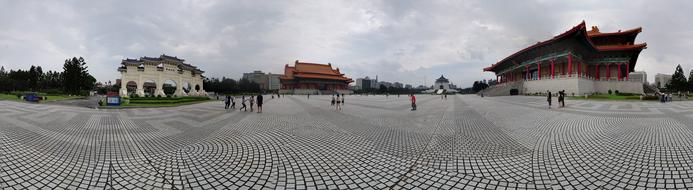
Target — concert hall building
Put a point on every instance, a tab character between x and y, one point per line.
313	78
577	61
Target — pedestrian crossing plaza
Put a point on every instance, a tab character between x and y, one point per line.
373	142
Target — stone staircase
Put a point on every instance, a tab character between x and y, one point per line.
503	89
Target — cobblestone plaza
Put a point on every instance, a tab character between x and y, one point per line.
464	142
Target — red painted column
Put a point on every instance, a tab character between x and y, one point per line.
570	65
596	71
627	70
608	71
553	70
619	71
538	70
579	68
526	72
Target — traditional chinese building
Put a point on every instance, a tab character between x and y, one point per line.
313	78
577	61
147	75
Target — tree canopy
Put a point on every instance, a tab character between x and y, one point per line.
76	77
678	81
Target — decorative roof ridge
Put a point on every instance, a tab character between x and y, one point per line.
557	37
621	47
597	33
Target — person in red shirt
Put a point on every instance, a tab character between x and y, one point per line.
413	102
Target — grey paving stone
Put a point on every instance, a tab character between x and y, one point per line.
375	142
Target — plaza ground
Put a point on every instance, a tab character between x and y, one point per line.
464	142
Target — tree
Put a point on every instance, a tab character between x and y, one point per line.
479	86
678	81
382	88
76	77
690	81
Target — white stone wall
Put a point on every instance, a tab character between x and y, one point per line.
580	86
151	73
621	86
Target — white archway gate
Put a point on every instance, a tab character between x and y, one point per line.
159	70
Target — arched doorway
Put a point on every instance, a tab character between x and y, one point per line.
149	88
131	87
169	87
197	87
186	87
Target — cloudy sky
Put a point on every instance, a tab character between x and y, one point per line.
406	41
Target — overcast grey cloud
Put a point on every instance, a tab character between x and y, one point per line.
403	41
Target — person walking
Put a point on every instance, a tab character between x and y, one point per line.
563	102
339	102
333	101
446	96
259	103
243	107
343	99
233	102
548	98
560	99
413	102
227	102
251	100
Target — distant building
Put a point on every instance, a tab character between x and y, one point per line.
661	80
313	78
408	86
273	81
639	76
442	85
258	77
366	83
397	85
266	81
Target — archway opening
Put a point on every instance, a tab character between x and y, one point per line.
131	86
149	88
187	87
197	87
169	87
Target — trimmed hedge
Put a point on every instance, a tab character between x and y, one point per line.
163	100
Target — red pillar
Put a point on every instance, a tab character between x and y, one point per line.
619	72
627	70
596	71
608	71
538	70
570	65
553	70
579	69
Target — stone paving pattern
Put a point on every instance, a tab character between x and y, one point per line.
375	142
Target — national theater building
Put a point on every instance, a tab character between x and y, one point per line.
313	78
577	61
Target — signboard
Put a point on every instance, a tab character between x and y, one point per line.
112	99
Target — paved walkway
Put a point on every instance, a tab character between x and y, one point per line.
374	142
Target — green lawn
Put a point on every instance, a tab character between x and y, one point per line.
162	102
165	104
51	98
10	97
